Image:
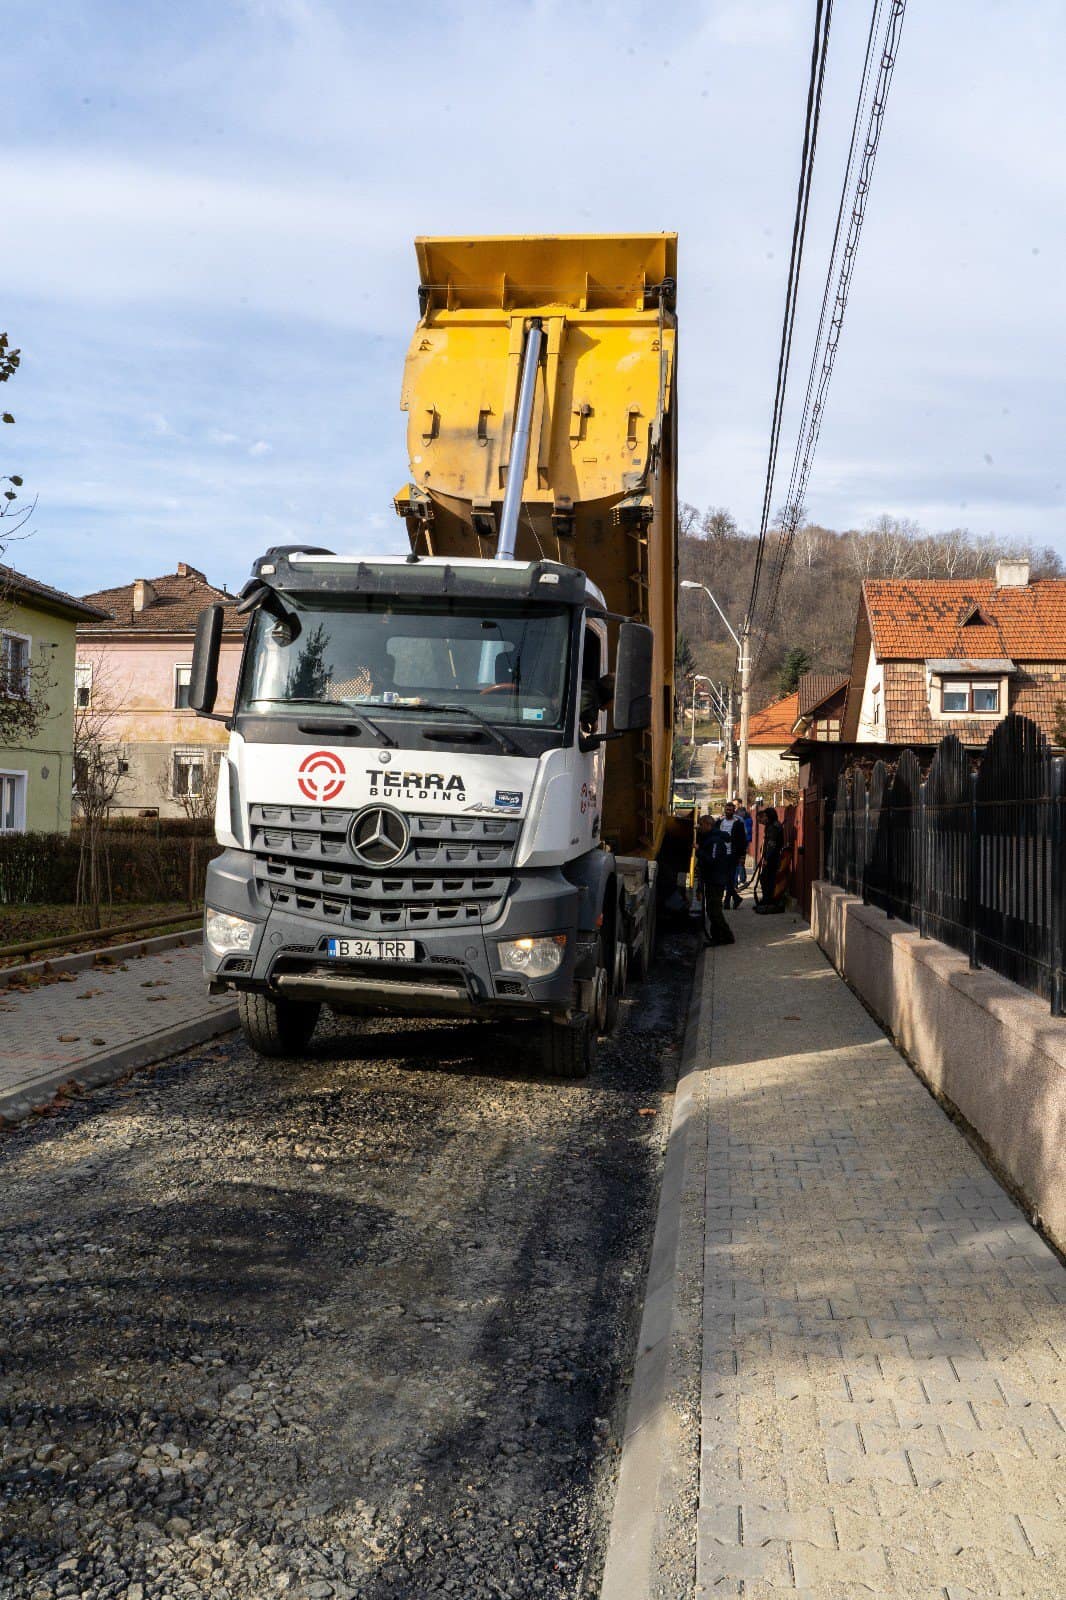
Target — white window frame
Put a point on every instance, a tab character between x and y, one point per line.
27	639
83	668
190	754
970	686
181	666
22	790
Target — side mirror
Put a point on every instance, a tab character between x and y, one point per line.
203	679
632	679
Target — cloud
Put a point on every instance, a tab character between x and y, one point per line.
214	225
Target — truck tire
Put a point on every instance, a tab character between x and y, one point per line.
568	1049
618	979
276	1027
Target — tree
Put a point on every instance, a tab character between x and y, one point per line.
684	660
795	663
23	683
719	524
99	771
195	792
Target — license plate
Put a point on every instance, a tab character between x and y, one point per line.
372	949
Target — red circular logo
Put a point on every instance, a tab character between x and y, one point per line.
321	775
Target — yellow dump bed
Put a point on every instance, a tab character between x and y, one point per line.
600	485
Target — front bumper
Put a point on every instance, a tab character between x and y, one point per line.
456	971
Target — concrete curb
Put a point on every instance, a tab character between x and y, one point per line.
89	958
654	1518
93	1071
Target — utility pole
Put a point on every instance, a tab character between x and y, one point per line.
730	749
745	710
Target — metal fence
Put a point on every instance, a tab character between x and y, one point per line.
974	856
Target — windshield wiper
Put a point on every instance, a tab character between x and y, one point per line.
509	746
341	705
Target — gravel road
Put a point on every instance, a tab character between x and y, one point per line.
356	1326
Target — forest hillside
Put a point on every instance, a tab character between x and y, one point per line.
818	604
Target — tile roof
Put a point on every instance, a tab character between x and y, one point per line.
18	586
774	723
913	619
816	687
173	604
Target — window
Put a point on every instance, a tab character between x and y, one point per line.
507	661
12	802
15	665
83	685
187	775
592	698
182	676
960	697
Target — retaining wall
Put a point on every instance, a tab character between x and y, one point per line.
988	1047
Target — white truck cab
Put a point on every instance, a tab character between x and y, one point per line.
411	802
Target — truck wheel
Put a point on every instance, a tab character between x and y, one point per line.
568	1049
619	978
276	1027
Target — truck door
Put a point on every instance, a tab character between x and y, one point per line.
592	718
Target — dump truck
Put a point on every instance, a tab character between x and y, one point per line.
447	780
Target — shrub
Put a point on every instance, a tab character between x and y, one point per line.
138	866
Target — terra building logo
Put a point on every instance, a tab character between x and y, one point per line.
321	775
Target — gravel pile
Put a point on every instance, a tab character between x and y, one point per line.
355	1326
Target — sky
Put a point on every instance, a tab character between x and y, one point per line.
209	211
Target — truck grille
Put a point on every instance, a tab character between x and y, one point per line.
455	871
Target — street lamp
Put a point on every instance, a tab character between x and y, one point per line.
743	644
697	677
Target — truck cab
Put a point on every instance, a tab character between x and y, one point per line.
411	803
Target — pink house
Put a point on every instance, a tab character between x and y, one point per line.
132	676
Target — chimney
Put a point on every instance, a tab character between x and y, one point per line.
143	594
186	571
1012	574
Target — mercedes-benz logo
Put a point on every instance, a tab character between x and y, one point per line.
378	836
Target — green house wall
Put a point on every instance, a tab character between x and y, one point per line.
48	759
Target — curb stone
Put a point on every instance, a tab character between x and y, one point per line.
650	1547
89	958
93	1071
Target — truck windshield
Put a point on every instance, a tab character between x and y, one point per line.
506	663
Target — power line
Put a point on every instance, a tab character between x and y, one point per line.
842	265
819	51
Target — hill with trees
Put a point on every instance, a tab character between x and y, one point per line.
815	621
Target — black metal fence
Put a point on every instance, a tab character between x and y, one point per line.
974	856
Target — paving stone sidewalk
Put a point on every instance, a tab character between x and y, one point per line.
92	1024
884	1335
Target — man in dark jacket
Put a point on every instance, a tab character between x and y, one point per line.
773	846
714	860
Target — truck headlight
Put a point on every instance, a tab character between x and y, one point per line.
534	958
225	932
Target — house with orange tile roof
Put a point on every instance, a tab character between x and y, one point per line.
939	656
769	736
133	669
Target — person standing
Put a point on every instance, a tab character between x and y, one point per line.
772	850
714	860
732	823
